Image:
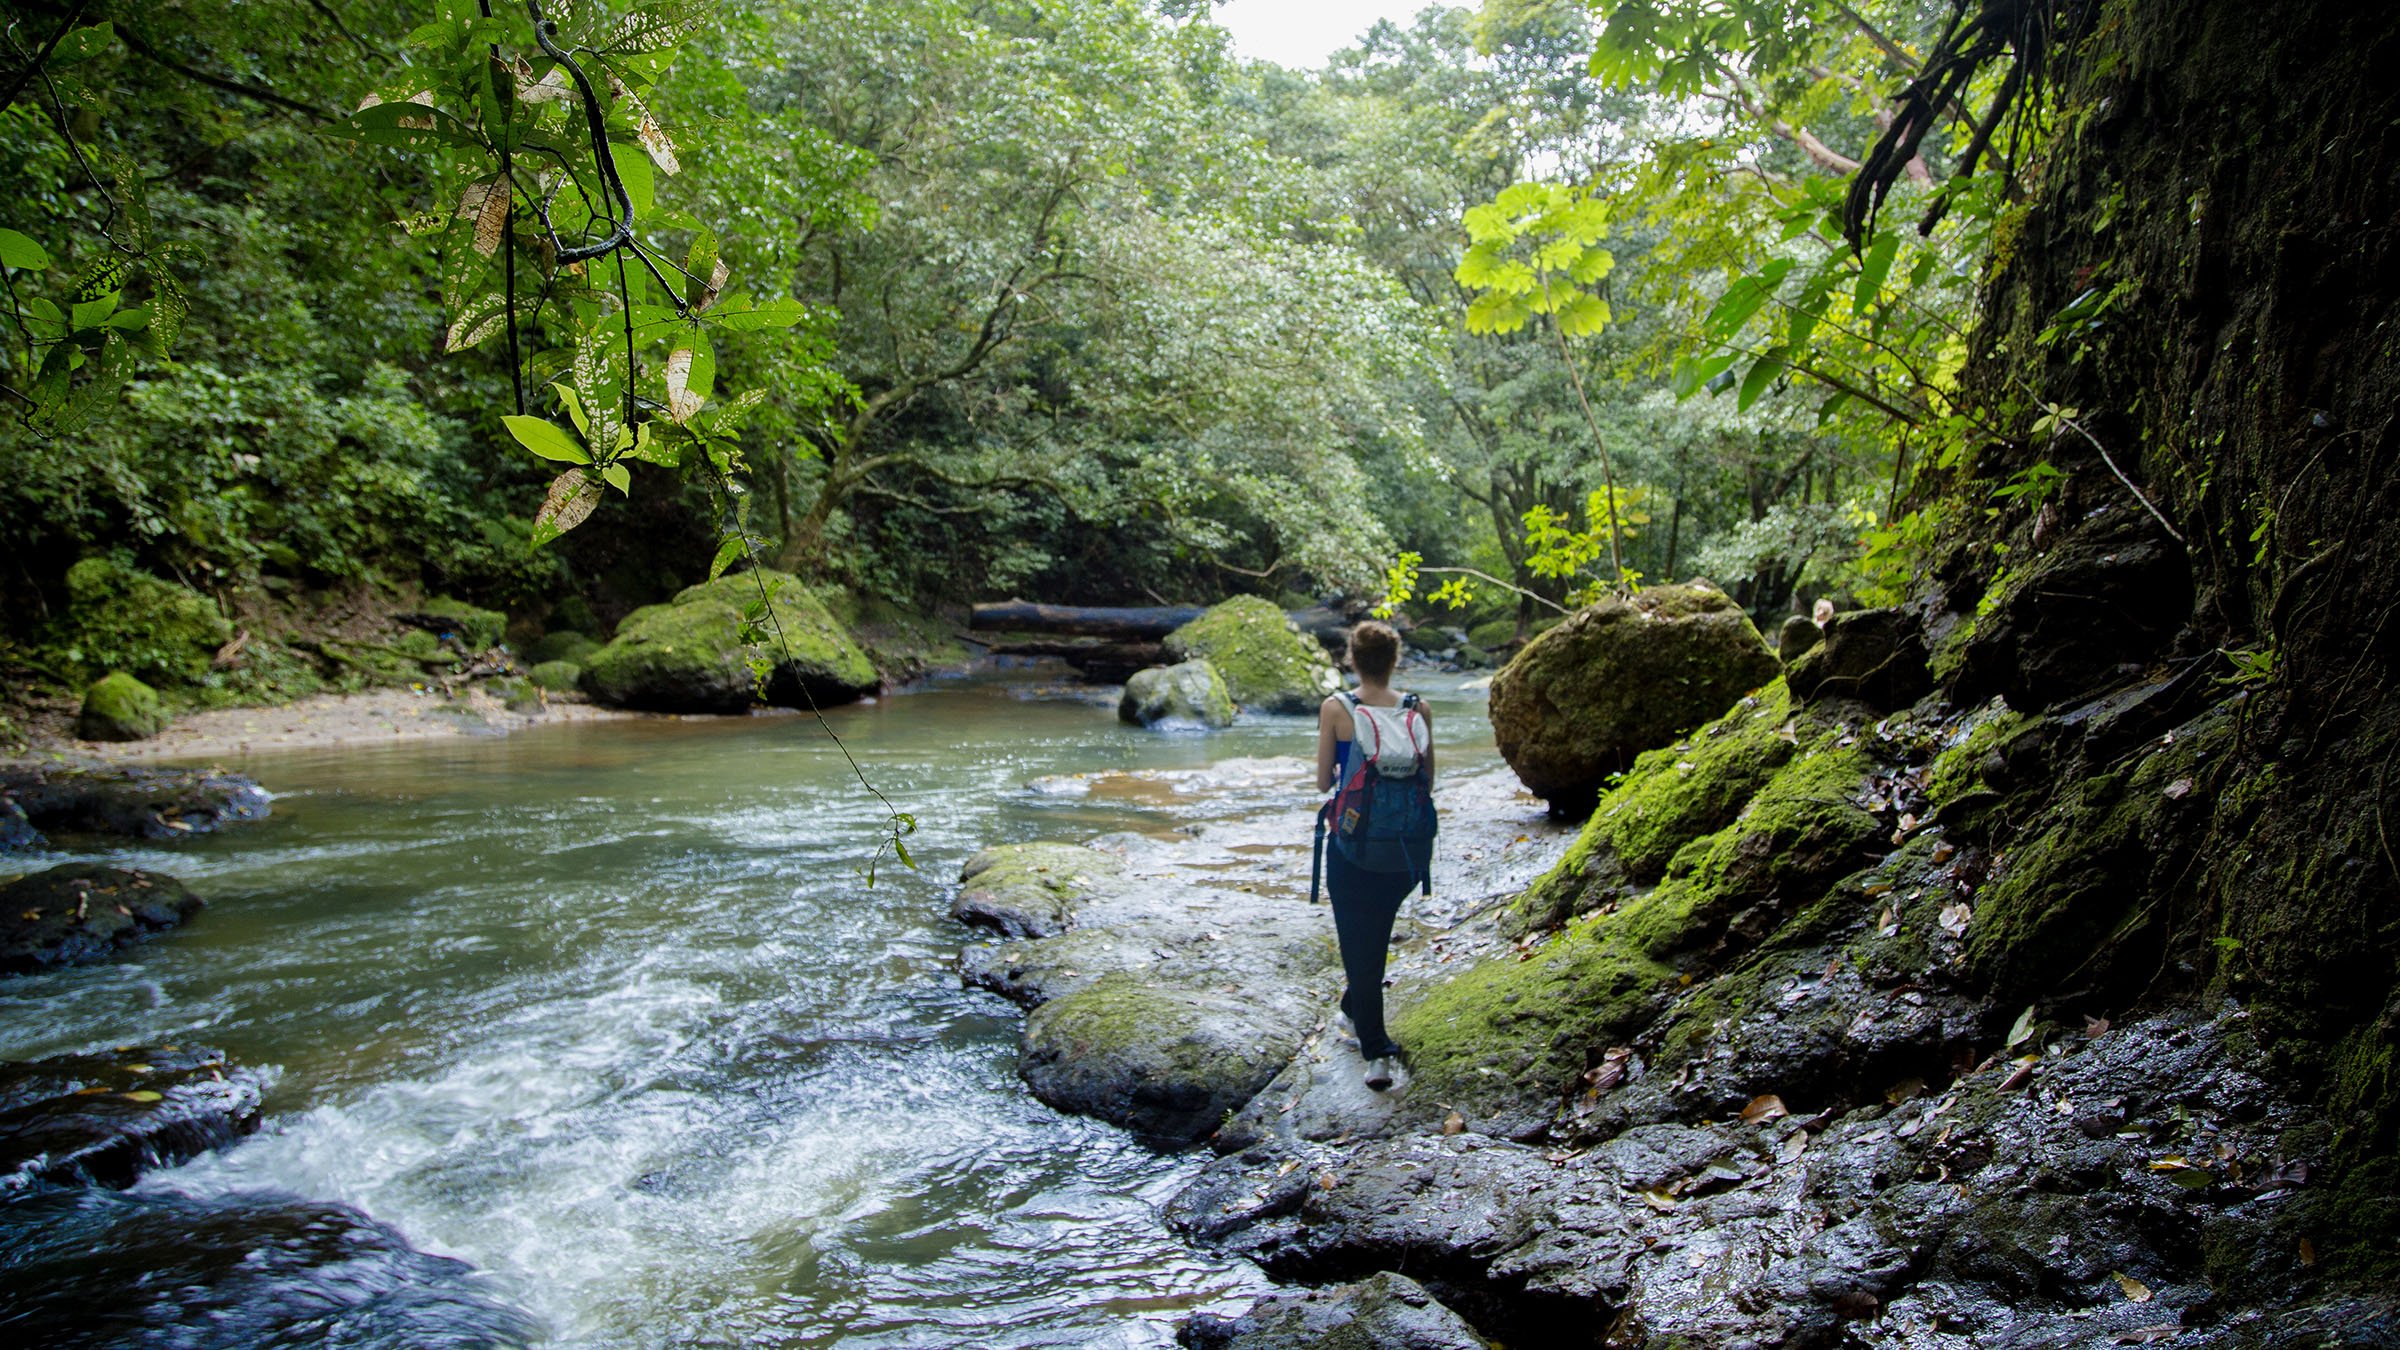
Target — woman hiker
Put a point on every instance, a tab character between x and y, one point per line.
1374	732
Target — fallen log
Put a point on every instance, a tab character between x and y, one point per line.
1107	662
1146	623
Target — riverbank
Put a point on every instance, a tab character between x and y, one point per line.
323	722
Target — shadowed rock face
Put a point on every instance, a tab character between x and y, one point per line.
1624	676
84	912
1384	1312
134	803
104	1119
153	1268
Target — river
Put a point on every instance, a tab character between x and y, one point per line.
607	1011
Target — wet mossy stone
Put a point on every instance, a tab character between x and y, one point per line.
564	646
85	912
1798	634
558	677
1620	677
1167	1061
120	708
1267	663
686	656
1876	656
1031	890
1176	697
473	628
120	619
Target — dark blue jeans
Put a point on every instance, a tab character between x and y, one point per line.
1364	906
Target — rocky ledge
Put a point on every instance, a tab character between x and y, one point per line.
103	1119
83	912
127	802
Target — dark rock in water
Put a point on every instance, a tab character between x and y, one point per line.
84	912
136	803
1876	656
104	1119
239	1272
1623	676
1384	1312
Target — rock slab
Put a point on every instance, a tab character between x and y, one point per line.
1623	676
104	1119
85	912
129	802
1386	1311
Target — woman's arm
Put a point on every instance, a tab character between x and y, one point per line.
1333	724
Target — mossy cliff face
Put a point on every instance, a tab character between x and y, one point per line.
687	656
1580	701
1745	849
120	619
1269	665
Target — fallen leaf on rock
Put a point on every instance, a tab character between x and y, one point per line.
2146	1335
1454	1123
1794	1145
1888	924
1290	1165
1944	851
2134	1289
2177	790
1955	918
1326	1181
2094	1027
1611	1069
2308	1252
145	1095
1875	888
2021	1074
1767	1107
2023	1030
1906	1090
1856	1303
1659	1200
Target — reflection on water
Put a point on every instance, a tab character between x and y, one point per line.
607	1011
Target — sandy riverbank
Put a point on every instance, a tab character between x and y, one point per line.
328	721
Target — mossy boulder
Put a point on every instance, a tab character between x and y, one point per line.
1493	634
1623	676
557	677
1385	1311
1166	1060
567	646
121	619
471	628
120	708
1192	694
1508	1036
1876	656
687	656
1268	664
1030	890
1798	634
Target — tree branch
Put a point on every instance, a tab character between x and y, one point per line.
134	43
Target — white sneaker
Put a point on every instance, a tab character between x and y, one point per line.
1379	1072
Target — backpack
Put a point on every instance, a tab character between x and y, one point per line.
1381	815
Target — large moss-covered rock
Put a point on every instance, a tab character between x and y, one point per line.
472	628
120	708
1623	676
558	677
83	912
1166	1059
1192	694
687	656
566	646
1269	665
118	618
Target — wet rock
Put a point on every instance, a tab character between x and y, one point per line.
91	1269
1030	890
1268	663
1876	656
120	708
103	1119
130	802
1188	695
1385	1311
687	656
1798	634
84	912
2107	599
1623	676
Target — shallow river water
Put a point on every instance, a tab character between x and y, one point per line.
606	1011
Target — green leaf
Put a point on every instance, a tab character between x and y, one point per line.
1874	268
633	169
545	438
411	126
1742	299
1583	315
130	320
83	44
574	407
1692	376
781	313
1762	373
19	251
618	477
94	312
726	552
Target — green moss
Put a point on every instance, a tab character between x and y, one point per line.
120	619
1960	769
120	708
419	645
564	646
1511	1026
1267	663
1670	797
574	614
517	694
903	644
476	629
687	655
559	677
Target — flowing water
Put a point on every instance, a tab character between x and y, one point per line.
606	1011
